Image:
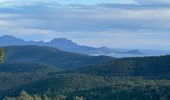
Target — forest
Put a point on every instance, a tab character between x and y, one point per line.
86	78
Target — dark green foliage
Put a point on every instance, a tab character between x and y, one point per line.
50	56
151	67
26	96
17	74
62	84
99	88
101	78
26	68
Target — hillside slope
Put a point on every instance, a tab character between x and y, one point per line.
16	74
50	56
96	88
153	67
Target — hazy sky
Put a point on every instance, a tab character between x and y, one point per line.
112	23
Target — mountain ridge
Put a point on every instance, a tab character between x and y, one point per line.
49	56
65	45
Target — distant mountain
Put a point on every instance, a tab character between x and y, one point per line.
66	45
50	56
7	40
134	52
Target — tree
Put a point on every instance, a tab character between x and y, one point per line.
45	97
25	96
1	55
78	98
61	97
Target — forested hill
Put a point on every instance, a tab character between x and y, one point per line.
69	86
50	56
35	69
155	67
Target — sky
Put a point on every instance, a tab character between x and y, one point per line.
137	24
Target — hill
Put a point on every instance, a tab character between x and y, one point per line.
96	88
151	67
15	74
50	56
38	70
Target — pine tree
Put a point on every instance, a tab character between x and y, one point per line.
78	98
45	97
36	97
25	96
60	97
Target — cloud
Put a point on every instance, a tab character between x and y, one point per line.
21	3
139	26
153	2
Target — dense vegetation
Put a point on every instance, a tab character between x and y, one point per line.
26	96
151	67
98	88
31	76
16	74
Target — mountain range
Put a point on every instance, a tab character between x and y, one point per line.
70	46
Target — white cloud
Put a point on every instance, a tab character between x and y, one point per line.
20	3
153	2
93	25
